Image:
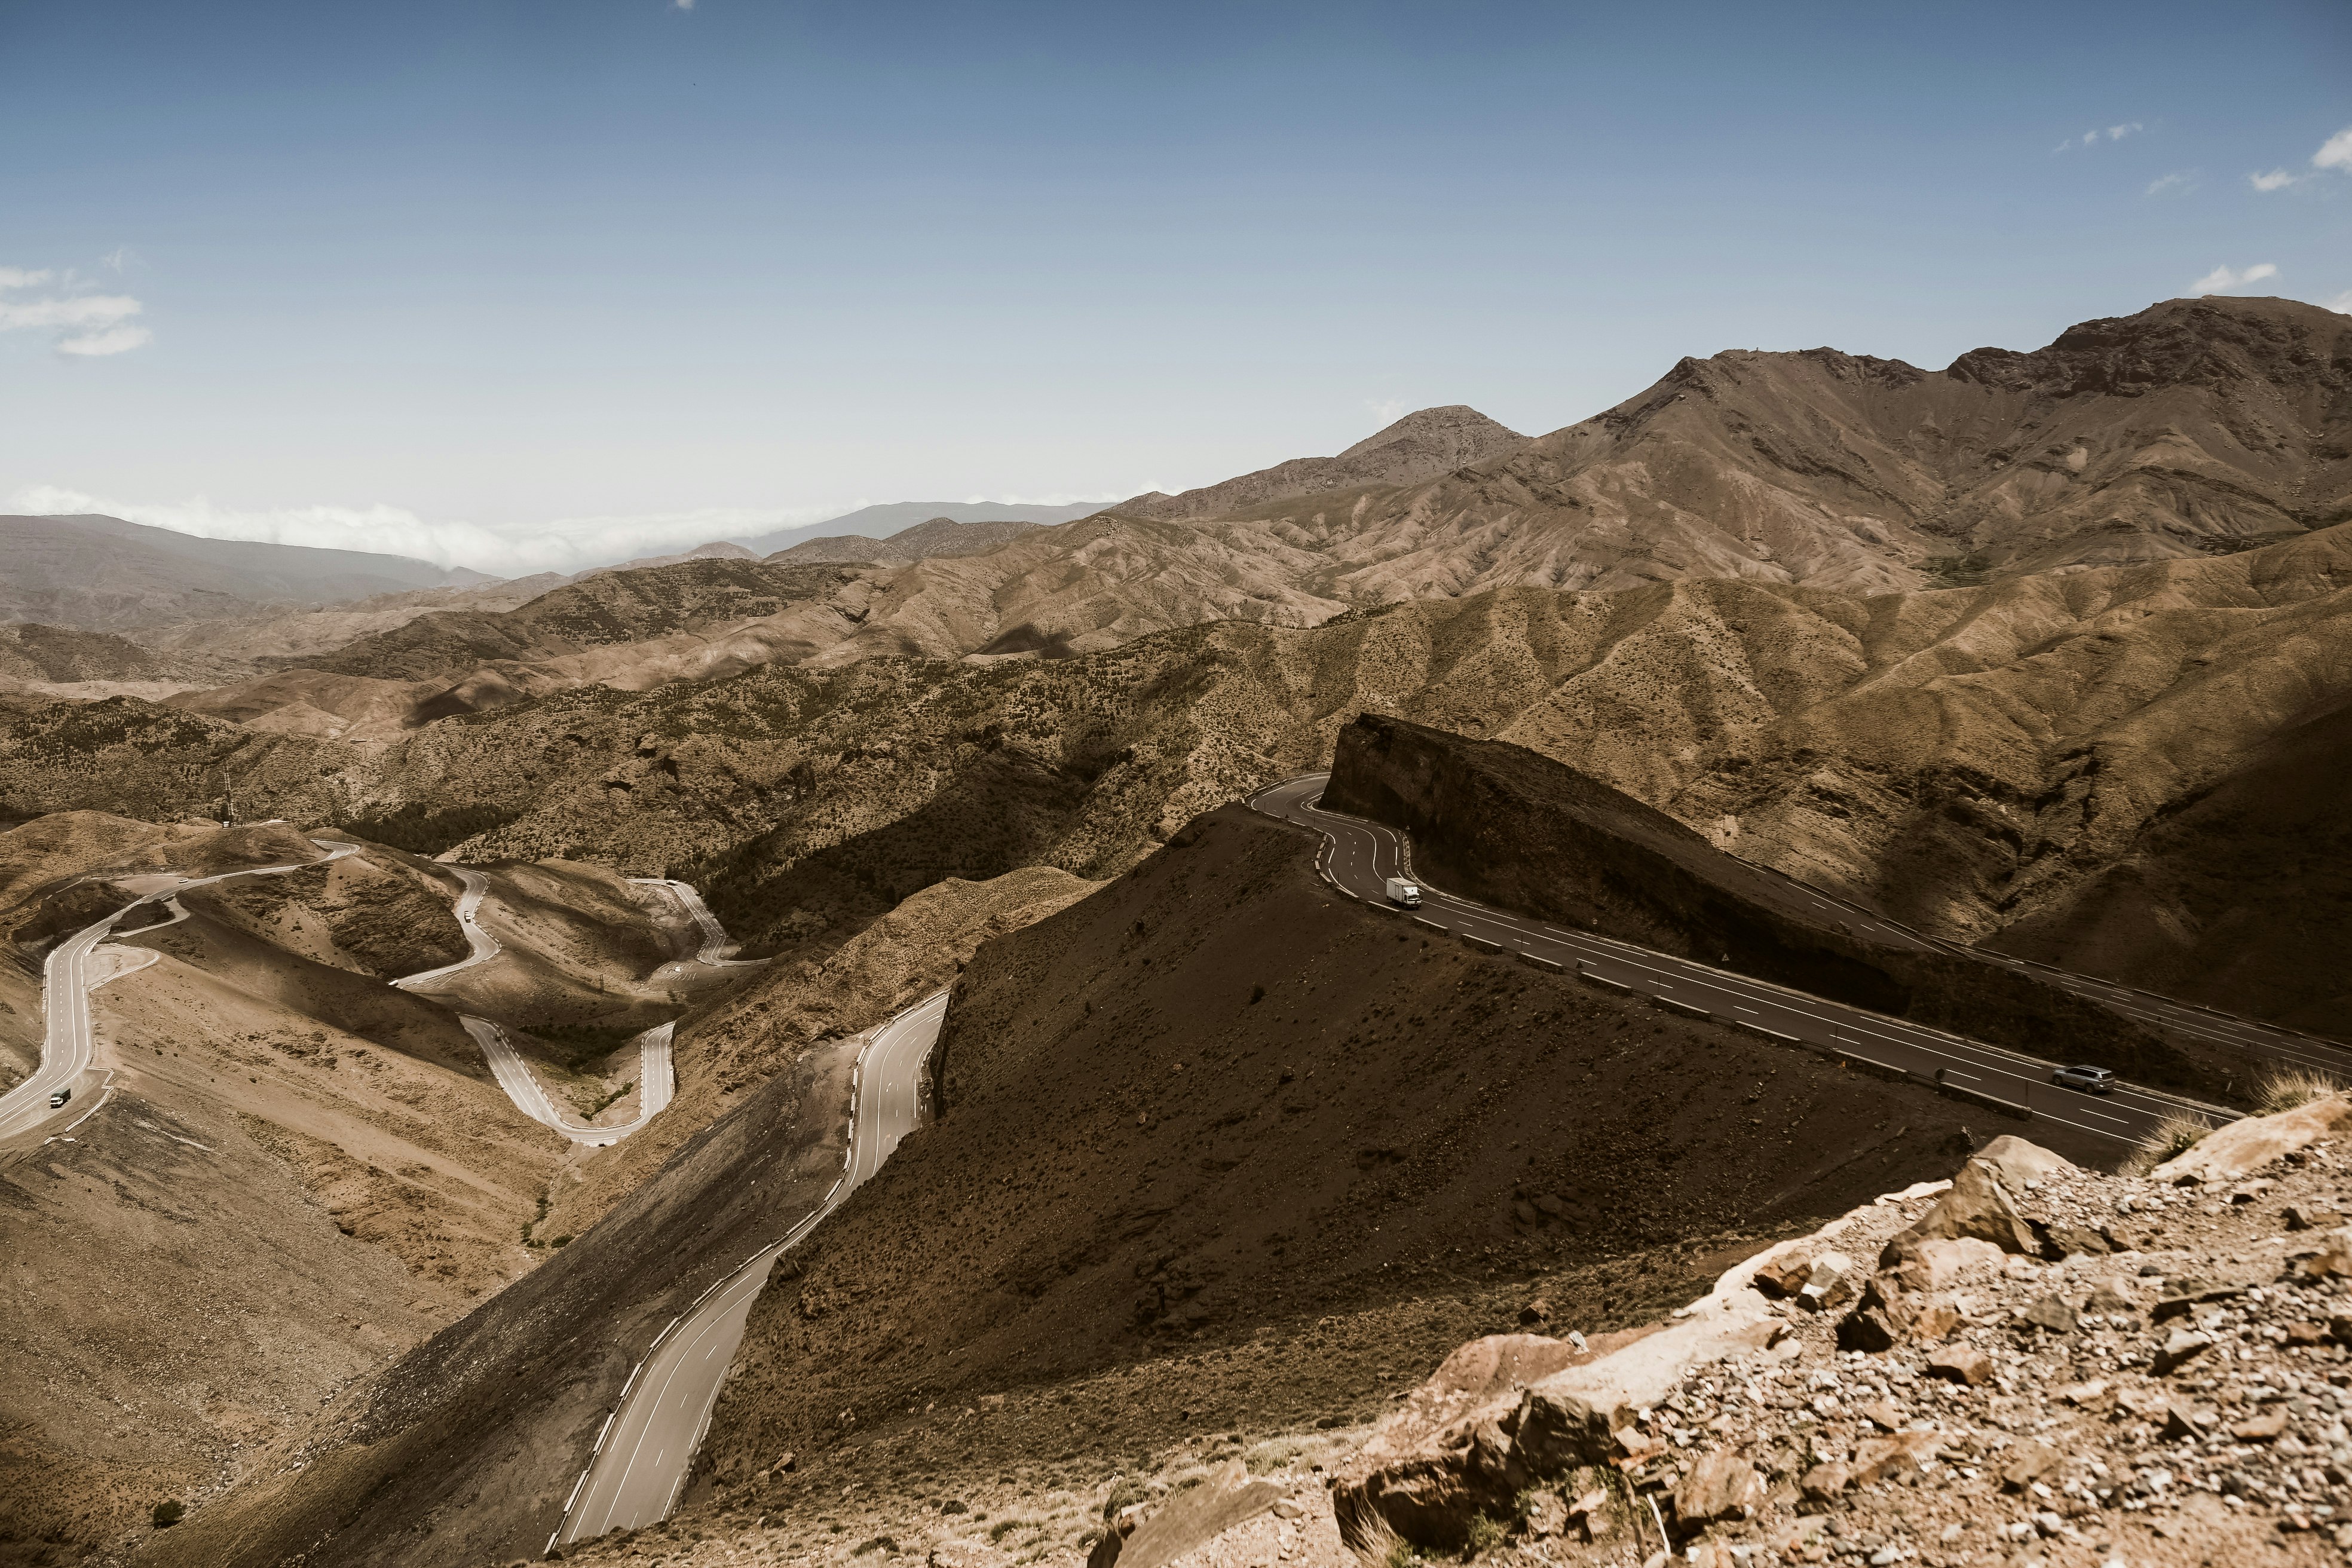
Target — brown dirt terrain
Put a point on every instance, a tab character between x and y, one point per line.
784	1011
462	1450
1957	758
295	1179
1221	1149
371	914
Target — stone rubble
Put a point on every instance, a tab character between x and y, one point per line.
2045	1365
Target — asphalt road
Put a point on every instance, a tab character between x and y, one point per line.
70	1040
480	943
648	1442
1357	855
716	948
655	1080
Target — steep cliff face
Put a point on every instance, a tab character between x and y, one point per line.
1505	826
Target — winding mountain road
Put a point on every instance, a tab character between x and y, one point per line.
480	943
717	950
656	1082
1357	855
68	1040
643	1454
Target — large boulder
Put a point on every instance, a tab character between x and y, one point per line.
1978	1205
1188	1521
2246	1146
1474	1436
2016	1162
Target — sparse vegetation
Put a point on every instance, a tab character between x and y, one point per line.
2169	1140
1487	1533
1124	1491
2287	1087
168	1513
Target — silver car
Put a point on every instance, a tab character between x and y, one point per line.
2089	1080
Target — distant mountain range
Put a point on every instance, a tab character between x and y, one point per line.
102	573
894	517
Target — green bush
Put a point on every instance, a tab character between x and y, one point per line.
169	1512
1485	1534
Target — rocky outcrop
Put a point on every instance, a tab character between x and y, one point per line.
2181	1398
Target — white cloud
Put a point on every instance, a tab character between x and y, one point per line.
2336	152
2223	278
564	545
88	326
2181	181
2117	133
1388	410
681	5
108	340
2277	179
2342	303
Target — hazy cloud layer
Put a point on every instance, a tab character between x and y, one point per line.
564	545
86	325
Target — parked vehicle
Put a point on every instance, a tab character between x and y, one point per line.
2089	1080
60	1098
1403	892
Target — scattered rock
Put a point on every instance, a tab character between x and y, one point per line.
2182	1348
1823	1482
1961	1363
2262	1428
1978	1207
1721	1485
2029	1462
1830	1283
1547	1514
2052	1314
1881	1458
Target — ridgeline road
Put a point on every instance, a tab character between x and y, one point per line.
472	885
68	1041
643	1454
1360	855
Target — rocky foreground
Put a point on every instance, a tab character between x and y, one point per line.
2031	1363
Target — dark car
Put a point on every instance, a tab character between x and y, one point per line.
2090	1081
60	1098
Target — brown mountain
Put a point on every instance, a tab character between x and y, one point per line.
1421	446
939	536
2196	425
105	575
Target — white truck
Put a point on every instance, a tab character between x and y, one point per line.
1401	891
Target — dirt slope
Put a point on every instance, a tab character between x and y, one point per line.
1217	1141
777	1013
462	1450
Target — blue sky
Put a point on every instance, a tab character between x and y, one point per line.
513	284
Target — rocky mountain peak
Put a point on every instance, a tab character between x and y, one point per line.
1455	433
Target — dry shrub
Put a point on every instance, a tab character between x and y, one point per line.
2287	1088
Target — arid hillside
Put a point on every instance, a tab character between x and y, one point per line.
1963	759
1221	1151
